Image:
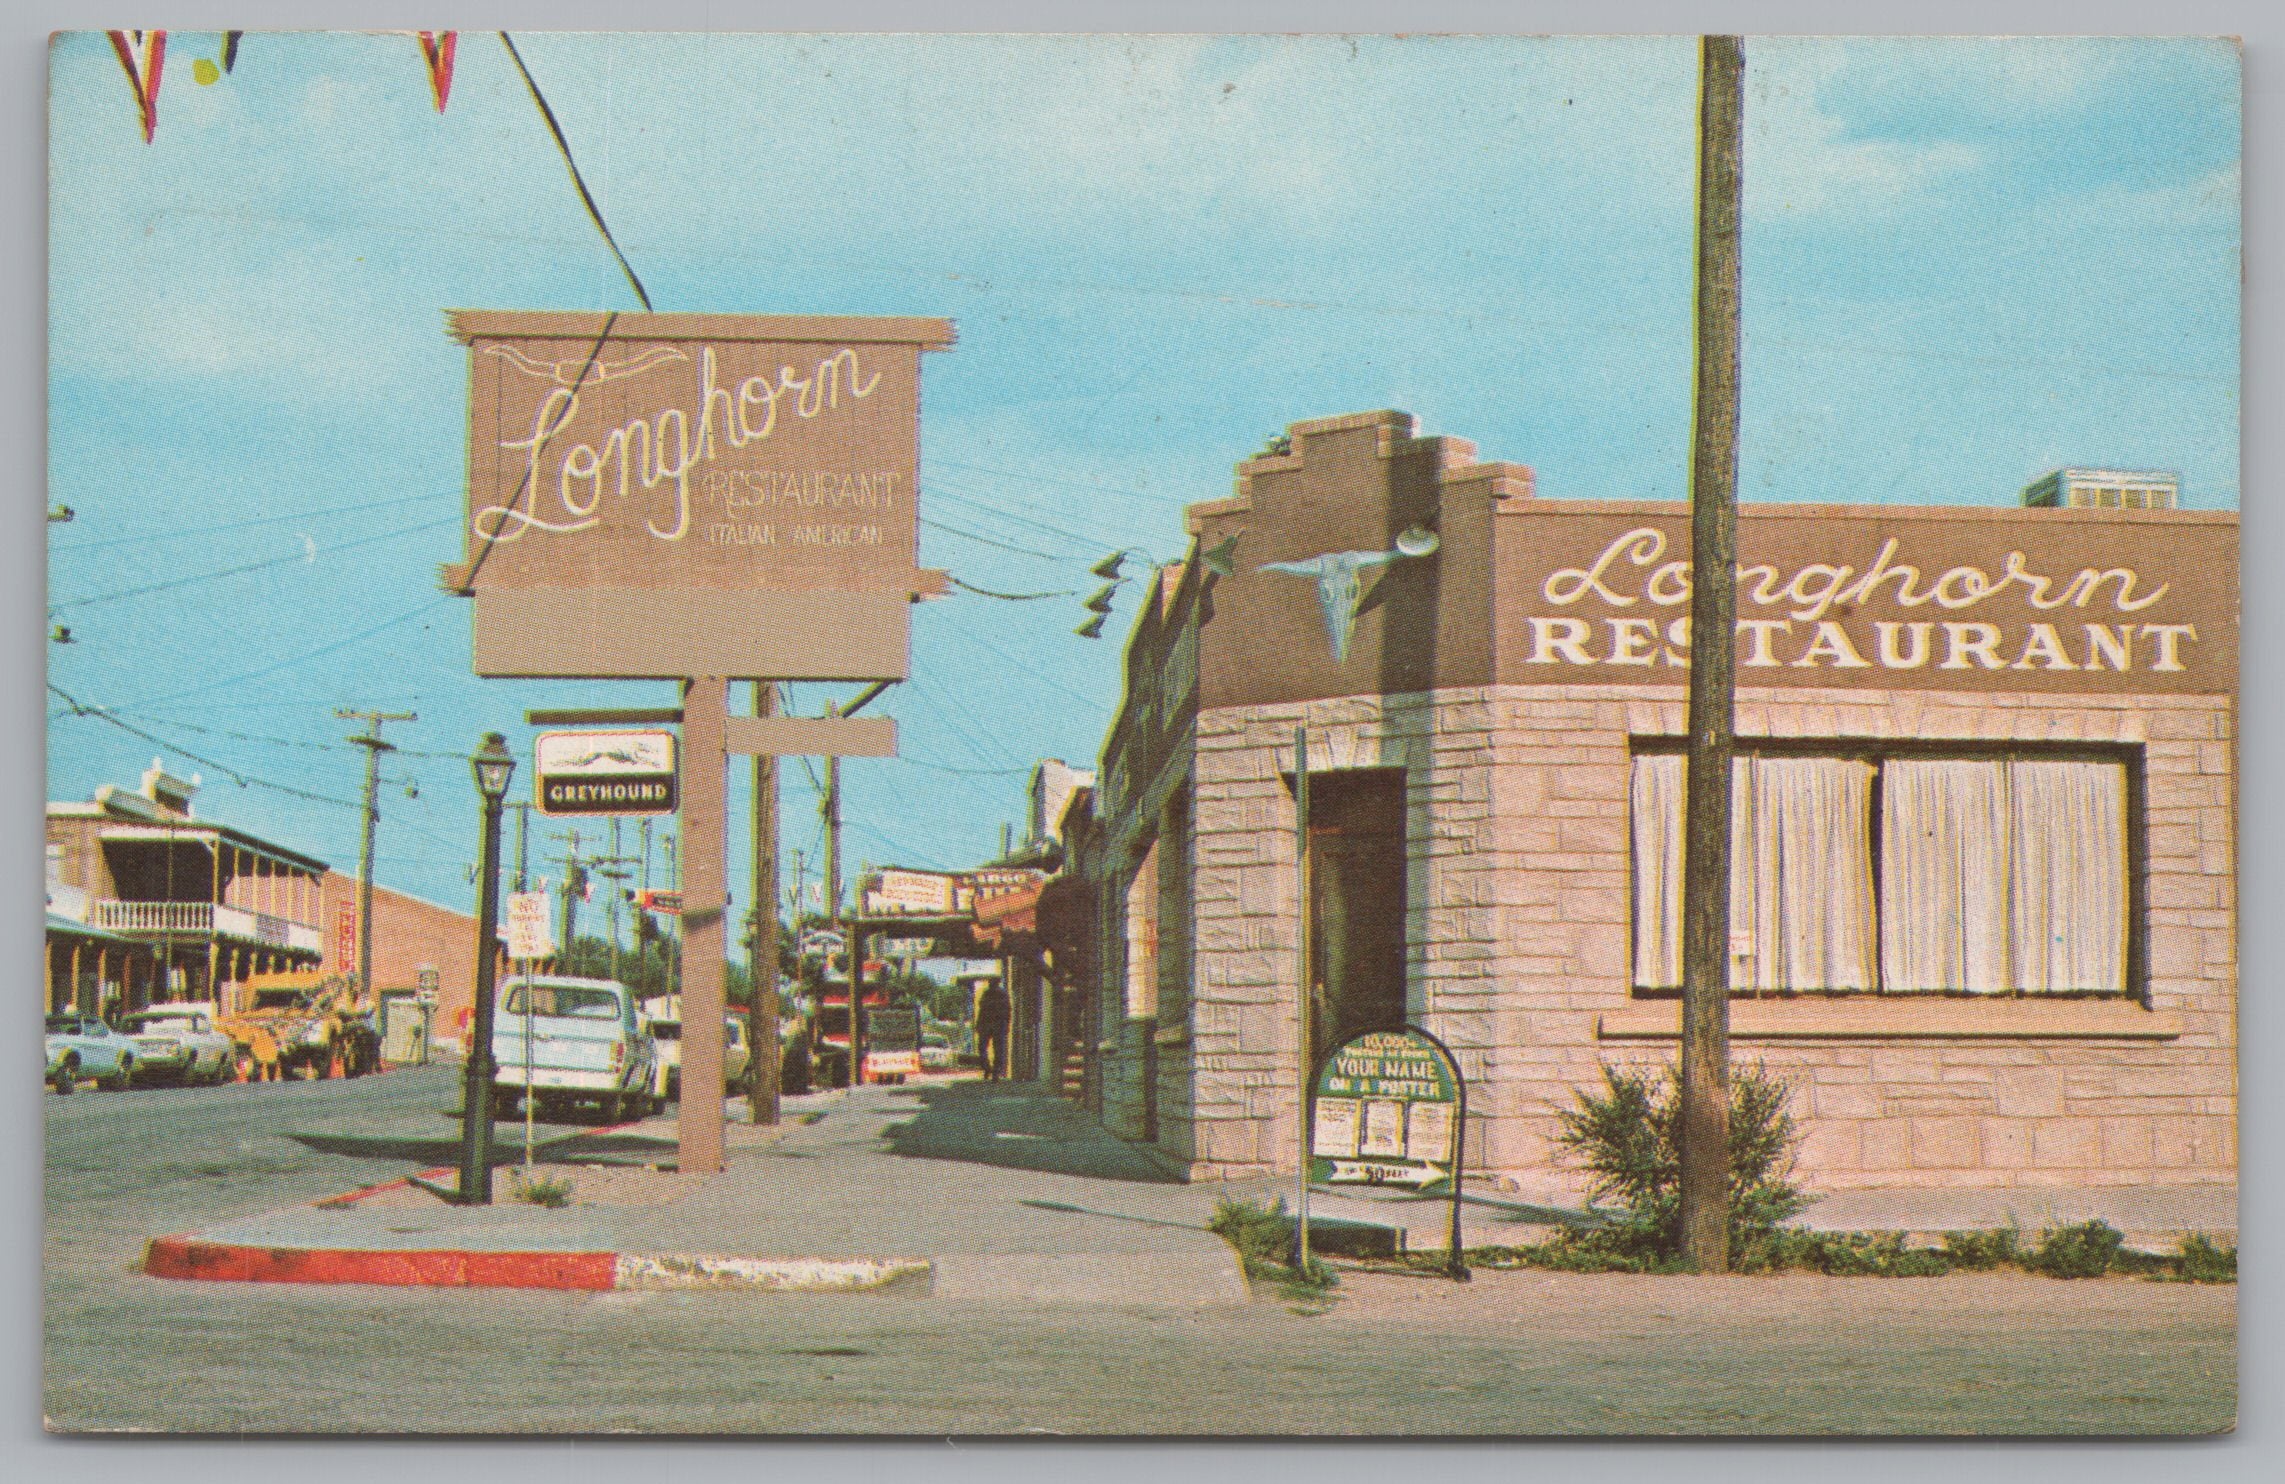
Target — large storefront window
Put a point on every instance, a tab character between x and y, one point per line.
1909	874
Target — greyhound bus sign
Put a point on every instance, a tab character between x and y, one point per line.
605	772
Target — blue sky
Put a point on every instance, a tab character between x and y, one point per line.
1966	262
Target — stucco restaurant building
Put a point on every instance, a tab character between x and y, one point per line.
1984	913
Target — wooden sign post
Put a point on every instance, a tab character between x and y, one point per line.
706	860
697	498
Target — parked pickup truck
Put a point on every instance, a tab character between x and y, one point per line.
588	1045
663	1016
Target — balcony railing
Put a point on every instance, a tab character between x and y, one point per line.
202	918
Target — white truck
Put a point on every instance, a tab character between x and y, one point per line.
587	1044
663	1015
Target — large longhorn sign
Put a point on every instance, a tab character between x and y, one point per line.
668	495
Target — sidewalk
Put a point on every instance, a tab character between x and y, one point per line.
962	1190
953	1189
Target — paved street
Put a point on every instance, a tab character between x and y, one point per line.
1512	1353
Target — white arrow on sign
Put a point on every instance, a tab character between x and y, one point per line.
1356	1172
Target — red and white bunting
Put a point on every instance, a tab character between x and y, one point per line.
436	49
144	55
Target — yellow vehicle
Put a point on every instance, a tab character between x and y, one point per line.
303	1022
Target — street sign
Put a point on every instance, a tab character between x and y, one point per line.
530	925
617	773
667	902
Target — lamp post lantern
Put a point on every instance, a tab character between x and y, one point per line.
493	765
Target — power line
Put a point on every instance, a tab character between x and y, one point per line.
76	707
985	592
921	762
594	213
309	654
175	582
307	746
1105	489
155	537
1094	542
1032	670
1002	545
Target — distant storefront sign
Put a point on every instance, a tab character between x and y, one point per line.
606	772
910	894
673	495
1387	1111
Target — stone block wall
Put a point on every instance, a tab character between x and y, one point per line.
1519	929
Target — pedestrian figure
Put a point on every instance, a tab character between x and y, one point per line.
992	1030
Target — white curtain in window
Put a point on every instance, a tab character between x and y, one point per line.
1657	795
1804	825
1944	875
1800	873
2068	875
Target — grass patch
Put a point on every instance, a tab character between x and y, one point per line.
551	1191
2062	1252
1263	1236
2198	1260
2085	1249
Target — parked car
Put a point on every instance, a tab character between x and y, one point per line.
85	1046
588	1045
936	1052
180	1043
663	1016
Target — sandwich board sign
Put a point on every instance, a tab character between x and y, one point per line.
610	773
1389	1107
1387	1112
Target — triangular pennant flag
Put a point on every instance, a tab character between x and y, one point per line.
144	55
436	49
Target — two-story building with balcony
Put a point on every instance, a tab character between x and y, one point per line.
149	903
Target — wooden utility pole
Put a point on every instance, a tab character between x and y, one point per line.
370	740
570	862
1705	1175
705	902
830	806
762	973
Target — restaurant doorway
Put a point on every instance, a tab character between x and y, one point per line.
1357	897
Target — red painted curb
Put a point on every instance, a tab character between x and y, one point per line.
216	1262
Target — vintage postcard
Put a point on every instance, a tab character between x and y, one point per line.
1439	735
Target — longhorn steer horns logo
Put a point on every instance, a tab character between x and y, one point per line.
1340	583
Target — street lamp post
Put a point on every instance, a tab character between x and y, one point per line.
493	765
